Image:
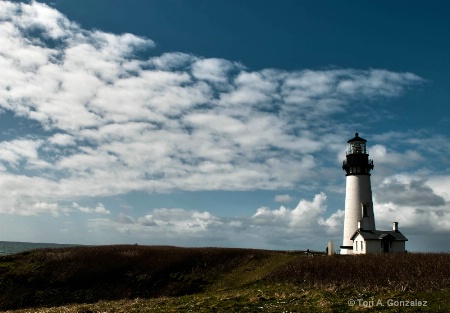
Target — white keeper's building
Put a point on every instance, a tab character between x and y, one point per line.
360	234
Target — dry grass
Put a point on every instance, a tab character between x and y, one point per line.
170	279
399	272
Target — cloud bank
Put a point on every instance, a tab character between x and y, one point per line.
277	228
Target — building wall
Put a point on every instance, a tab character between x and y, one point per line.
374	246
369	246
357	245
358	191
397	246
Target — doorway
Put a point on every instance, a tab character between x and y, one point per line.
385	244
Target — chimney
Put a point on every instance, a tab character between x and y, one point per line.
360	225
395	226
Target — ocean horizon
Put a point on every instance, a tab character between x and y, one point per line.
13	247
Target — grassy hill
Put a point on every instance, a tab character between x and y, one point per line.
170	279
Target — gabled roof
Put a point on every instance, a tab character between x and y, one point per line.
379	235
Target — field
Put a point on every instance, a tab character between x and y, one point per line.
131	278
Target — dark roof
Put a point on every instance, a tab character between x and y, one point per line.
357	138
379	234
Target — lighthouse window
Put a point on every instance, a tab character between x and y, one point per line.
365	207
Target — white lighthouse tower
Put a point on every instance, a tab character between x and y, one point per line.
358	194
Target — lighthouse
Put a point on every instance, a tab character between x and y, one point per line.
358	192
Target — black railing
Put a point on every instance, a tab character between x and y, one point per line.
370	162
357	151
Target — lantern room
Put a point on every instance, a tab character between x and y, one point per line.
357	145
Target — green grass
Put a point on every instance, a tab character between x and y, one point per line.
263	298
169	279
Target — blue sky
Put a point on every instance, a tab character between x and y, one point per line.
220	123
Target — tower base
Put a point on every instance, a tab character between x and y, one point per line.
346	249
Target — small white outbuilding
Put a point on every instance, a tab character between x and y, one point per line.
378	241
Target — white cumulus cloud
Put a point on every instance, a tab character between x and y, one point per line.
114	123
